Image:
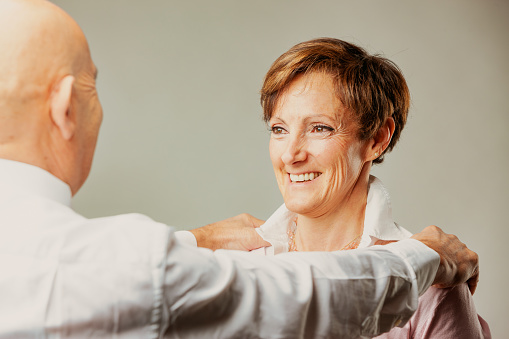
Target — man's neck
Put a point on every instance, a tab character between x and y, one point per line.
33	153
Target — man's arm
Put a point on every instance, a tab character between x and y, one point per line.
345	294
232	294
457	263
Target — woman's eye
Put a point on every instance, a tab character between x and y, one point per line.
322	129
277	130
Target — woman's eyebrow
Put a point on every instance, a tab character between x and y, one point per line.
323	116
306	119
278	118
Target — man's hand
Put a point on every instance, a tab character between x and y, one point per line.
457	263
236	233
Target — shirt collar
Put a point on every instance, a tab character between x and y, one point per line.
378	223
17	177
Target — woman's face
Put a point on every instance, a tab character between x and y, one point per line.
314	148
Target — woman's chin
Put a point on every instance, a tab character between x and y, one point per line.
300	207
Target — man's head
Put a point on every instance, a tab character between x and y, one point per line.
49	110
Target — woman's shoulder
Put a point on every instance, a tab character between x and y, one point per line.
448	313
443	313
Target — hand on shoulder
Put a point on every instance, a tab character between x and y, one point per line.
458	264
235	233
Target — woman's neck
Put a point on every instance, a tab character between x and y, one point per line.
336	229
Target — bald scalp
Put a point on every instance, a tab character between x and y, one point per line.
40	45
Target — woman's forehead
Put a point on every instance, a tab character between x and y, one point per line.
313	94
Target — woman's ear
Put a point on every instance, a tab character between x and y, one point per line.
60	107
381	139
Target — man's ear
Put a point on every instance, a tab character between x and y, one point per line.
60	107
382	139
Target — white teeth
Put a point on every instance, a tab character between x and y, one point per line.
303	177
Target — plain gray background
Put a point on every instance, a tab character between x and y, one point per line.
183	140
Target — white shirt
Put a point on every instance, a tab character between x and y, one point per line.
66	276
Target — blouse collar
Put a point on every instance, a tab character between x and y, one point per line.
378	223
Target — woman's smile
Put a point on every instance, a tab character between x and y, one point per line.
304	177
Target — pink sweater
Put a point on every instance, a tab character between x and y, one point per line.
444	314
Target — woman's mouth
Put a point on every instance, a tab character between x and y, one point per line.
304	176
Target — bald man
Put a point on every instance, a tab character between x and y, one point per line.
62	275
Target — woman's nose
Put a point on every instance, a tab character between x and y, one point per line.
294	152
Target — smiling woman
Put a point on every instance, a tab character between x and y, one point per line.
333	111
318	158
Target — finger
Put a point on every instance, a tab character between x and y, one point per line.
256	242
263	243
384	242
472	286
257	222
472	283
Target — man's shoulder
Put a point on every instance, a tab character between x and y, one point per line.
42	228
132	220
121	238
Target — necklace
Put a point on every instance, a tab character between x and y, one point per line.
292	247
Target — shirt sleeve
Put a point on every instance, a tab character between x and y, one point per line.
348	294
186	237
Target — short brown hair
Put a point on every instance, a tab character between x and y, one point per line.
369	86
